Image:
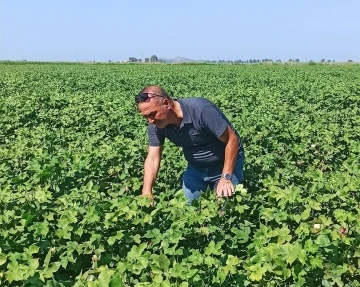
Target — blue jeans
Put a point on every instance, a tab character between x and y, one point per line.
196	180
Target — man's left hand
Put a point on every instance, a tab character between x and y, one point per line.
225	188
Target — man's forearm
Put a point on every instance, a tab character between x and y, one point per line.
151	168
231	152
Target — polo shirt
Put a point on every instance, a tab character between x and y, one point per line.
198	135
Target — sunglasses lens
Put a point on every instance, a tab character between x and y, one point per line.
144	97
141	98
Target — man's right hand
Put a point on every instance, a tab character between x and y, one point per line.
149	195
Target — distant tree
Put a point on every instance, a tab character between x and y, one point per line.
139	60
146	60
133	59
291	60
322	60
278	61
153	58
297	60
350	61
333	61
329	61
311	62
109	61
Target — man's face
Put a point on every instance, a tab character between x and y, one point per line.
155	112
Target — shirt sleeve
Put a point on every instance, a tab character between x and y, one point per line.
213	120
154	136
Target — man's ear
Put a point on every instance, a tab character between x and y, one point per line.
167	103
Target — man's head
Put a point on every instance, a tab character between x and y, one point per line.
155	105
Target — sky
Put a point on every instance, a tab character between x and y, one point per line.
79	30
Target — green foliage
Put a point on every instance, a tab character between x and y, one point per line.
72	146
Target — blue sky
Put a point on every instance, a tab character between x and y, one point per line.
204	30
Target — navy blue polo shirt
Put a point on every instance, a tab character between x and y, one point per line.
202	125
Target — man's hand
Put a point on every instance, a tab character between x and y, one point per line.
225	188
150	196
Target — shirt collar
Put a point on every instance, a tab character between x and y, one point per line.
186	115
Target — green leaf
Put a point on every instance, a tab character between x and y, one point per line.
165	283
316	262
136	251
3	258
257	272
356	253
242	236
47	259
164	262
233	260
14	275
297	253
310	246
32	249
286	273
214	249
48	272
326	283
209	261
306	213
53	267
34	264
104	277
89	185
112	239
314	205
137	238
64	262
340	215
158	278
322	240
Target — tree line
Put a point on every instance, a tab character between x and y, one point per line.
154	58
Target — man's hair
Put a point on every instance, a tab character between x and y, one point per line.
156	90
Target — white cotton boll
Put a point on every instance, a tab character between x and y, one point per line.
317	225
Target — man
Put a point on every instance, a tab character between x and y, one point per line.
211	145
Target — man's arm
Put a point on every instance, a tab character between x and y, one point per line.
225	187
151	168
214	122
231	141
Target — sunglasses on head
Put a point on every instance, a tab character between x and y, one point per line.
145	97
